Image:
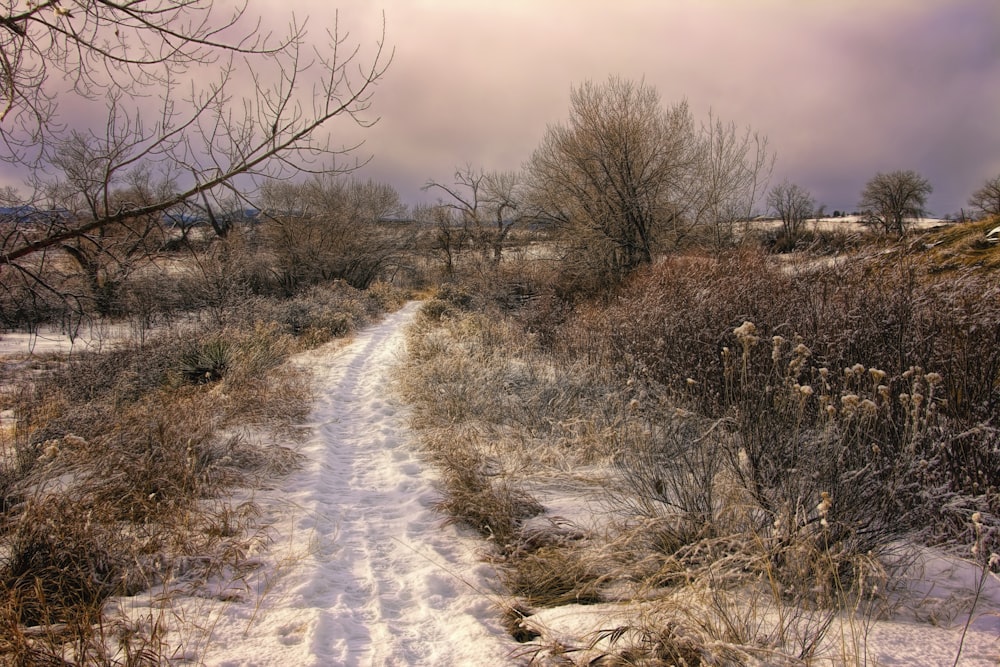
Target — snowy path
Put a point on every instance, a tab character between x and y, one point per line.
367	572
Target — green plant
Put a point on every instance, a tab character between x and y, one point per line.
208	362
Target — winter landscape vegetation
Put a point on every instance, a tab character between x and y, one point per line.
639	400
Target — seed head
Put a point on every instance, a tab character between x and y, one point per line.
746	333
776	342
824	504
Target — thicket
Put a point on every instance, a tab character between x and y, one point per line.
172	278
769	437
874	381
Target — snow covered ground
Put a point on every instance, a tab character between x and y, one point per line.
363	570
51	341
848	224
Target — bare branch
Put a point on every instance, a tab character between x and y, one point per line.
986	199
218	140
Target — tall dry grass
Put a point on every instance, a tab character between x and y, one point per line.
116	475
764	440
895	370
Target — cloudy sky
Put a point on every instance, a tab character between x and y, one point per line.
842	88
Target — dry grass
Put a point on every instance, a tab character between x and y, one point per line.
960	247
766	440
115	476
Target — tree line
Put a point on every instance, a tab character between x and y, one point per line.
621	180
625	178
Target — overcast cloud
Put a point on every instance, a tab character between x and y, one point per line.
842	88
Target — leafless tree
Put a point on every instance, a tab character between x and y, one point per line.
890	199
446	236
9	196
204	101
81	188
625	178
793	204
987	198
733	169
610	176
332	228
108	256
488	205
505	203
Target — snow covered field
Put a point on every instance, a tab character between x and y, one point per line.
848	224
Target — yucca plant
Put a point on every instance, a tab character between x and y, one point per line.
208	362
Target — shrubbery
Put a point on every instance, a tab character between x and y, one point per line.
774	435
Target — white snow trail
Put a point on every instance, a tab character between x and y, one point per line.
371	574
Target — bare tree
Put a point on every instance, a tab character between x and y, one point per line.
332	228
793	204
206	138
732	173
987	198
625	178
9	196
81	188
504	201
109	255
890	199
446	235
612	176
487	204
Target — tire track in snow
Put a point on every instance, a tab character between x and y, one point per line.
376	587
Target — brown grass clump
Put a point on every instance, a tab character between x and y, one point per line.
61	563
959	248
487	503
554	575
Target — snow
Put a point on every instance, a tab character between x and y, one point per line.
920	625
51	341
851	224
363	570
